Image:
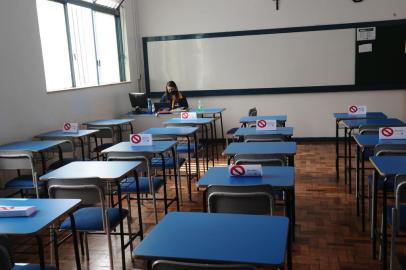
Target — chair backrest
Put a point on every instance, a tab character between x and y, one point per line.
16	160
264	160
368	130
145	159
104	132
172	265
400	190
255	199
390	149
264	138
164	138
89	190
253	112
6	258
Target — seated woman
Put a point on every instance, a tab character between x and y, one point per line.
174	97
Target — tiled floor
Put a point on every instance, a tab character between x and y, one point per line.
328	232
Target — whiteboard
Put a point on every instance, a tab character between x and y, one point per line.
296	59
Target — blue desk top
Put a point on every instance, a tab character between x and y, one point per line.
61	134
109	122
126	147
271	175
373	122
207	110
372	140
288	148
389	165
231	238
181	131
372	115
248	119
33	146
197	121
106	170
287	131
48	210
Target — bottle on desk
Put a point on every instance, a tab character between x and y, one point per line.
199	106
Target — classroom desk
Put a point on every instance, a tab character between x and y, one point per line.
203	122
349	126
36	147
252	131
110	172
280	119
339	117
364	143
158	147
48	212
218	238
80	135
280	178
185	132
213	112
385	166
113	123
265	148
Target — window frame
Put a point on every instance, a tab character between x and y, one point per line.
94	7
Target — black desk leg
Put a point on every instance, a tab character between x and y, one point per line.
176	177
337	153
374	212
349	161
82	146
197	156
131	128
207	146
164	177
43	162
222	130
120	134
363	189
345	156
137	184
120	207
55	246
215	136
357	179
75	241
40	252
384	249
212	144
189	170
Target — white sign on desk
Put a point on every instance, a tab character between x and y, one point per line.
188	115
245	170
70	127
392	133
141	139
266	125
357	109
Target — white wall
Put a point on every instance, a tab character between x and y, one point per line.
310	114
26	109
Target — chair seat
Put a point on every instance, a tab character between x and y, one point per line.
103	146
128	185
23	182
57	164
90	219
156	162
402	216
31	266
389	182
183	148
231	131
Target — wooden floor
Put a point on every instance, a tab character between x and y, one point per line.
328	232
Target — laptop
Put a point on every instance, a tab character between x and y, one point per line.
162	106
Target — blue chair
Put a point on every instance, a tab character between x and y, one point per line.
21	160
175	265
93	216
105	133
7	259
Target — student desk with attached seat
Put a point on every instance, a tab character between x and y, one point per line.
385	166
349	127
261	148
185	132
218	238
109	172
48	212
80	135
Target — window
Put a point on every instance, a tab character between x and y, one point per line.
80	43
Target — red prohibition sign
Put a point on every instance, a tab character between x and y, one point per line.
67	126
353	109
135	138
185	115
237	170
261	123
387	132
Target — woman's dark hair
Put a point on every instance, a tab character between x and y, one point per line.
173	85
